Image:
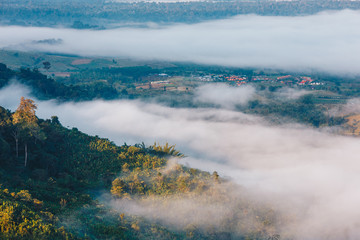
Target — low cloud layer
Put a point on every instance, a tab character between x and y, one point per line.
223	208
223	95
293	168
291	93
328	42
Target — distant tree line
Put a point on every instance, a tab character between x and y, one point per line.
47	88
91	14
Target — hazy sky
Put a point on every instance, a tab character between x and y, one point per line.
328	41
292	166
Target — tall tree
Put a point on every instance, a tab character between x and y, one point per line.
25	125
47	65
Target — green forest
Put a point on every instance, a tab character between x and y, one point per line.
47	88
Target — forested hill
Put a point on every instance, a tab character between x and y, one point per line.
47	88
47	170
50	177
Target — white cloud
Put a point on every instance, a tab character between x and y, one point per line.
291	93
352	106
328	41
224	95
10	95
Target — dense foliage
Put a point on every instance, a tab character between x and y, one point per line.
62	166
23	217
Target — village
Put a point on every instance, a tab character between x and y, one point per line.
166	82
243	79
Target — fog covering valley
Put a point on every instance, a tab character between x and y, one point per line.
305	178
300	171
327	41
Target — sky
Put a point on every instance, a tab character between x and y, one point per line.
327	41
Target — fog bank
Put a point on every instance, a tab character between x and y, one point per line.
328	42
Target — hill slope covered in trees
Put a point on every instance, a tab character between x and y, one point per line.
48	88
59	183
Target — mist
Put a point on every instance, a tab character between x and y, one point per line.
223	95
323	42
222	208
290	93
296	169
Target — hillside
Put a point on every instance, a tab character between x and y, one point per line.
59	183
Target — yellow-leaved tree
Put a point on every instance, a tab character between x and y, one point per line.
25	125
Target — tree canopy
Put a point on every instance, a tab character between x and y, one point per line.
25	113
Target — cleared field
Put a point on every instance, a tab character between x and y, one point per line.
81	61
60	74
353	125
